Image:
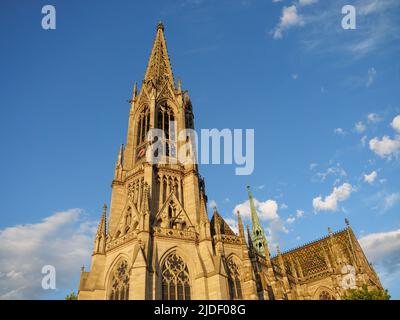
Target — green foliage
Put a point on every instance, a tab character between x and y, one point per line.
364	294
71	296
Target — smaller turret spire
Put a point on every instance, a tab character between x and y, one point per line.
134	90
102	229
119	164
179	86
259	240
120	156
240	225
217	226
203	208
100	241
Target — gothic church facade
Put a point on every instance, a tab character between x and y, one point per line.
159	242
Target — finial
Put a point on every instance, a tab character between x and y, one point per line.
120	155
160	25
134	90
330	231
179	86
278	250
104	207
346	221
83	268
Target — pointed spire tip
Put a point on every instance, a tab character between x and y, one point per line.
160	25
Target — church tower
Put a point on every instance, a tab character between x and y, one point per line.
158	243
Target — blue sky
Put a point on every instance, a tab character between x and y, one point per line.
320	99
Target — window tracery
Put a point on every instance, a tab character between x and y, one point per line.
235	288
175	279
325	295
120	282
166	122
143	125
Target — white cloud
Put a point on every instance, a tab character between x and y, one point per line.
284	206
373	118
232	223
290	220
360	127
295	76
63	240
380	29
307	2
390	201
396	123
336	171
313	166
212	204
299	213
266	210
364	141
370	178
386	147
371	76
339	131
383	250
376	6
290	18
383	201
330	203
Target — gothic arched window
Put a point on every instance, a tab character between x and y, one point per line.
166	122
325	295
175	279
120	282
143	125
235	288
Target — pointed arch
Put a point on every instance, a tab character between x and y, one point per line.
324	293
233	267
166	121
118	279
175	278
142	124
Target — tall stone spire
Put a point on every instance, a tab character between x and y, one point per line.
159	66
100	241
102	229
240	225
258	235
